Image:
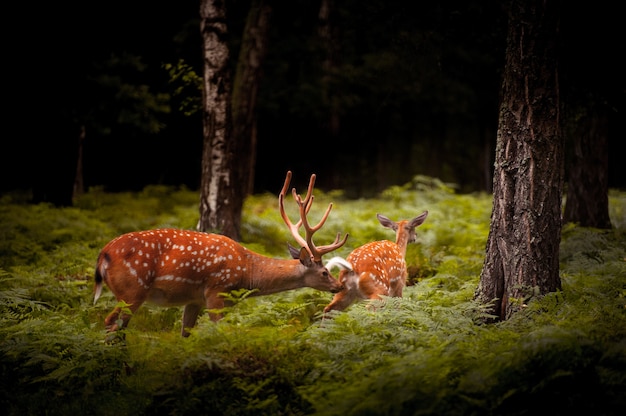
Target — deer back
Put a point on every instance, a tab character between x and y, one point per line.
170	267
379	268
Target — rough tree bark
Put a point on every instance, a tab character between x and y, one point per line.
522	254
220	201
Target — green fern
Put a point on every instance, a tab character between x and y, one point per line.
426	353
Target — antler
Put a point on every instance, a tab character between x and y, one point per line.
305	206
281	206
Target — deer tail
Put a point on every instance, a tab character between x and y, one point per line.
339	262
101	267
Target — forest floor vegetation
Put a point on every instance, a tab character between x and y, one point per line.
428	353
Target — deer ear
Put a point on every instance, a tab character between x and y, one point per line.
295	253
386	222
419	219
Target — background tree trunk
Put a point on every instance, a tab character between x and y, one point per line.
79	179
586	129
522	255
329	39
328	34
55	159
245	91
220	201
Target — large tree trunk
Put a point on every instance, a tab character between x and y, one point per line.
220	201
245	90
587	130
522	255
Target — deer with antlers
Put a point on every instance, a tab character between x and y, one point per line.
375	269
172	267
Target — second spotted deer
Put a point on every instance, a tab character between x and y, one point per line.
375	269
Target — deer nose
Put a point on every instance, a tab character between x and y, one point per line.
339	289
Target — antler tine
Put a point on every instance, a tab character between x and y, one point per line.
305	206
334	246
318	252
281	206
304	210
283	192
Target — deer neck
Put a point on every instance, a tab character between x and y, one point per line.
268	275
402	241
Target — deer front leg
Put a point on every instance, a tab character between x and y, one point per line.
341	301
190	317
348	295
215	304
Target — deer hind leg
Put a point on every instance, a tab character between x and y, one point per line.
398	282
111	321
119	319
372	288
215	304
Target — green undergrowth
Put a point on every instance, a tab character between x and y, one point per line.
427	353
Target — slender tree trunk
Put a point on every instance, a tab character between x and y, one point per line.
522	254
220	201
245	90
587	129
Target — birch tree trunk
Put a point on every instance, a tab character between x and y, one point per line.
220	201
522	254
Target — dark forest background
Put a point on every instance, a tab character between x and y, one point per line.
414	90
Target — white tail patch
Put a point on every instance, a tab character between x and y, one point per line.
97	294
339	262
